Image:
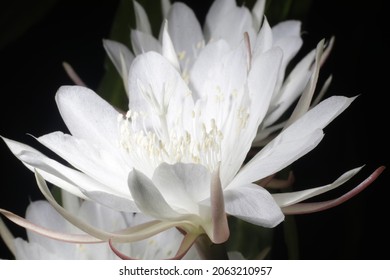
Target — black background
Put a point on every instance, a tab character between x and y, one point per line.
72	31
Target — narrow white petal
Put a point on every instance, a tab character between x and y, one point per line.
253	204
294	142
120	56
287	199
141	18
306	98
264	40
258	13
165	7
168	50
95	162
292	88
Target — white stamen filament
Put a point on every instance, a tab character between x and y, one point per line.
149	148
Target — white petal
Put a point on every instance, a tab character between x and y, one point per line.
253	204
22	151
120	56
96	123
168	50
293	86
286	199
69	179
306	97
258	13
144	42
182	184
286	35
141	18
264	40
261	82
165	7
148	198
186	33
43	214
294	142
96	162
157	89
288	28
205	64
227	21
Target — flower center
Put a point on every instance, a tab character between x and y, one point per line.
148	147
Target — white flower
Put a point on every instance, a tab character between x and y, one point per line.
177	155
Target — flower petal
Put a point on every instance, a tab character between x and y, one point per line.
294	142
158	90
168	50
305	208
144	42
141	18
94	162
227	21
148	198
120	56
286	199
258	13
253	204
96	123
186	33
261	83
182	184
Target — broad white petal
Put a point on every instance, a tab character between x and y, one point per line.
204	66
43	214
227	21
148	198
261	82
96	123
158	90
144	42
182	184
253	204
286	199
186	33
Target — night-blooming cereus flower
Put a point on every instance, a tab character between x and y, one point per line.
228	22
43	218
177	154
